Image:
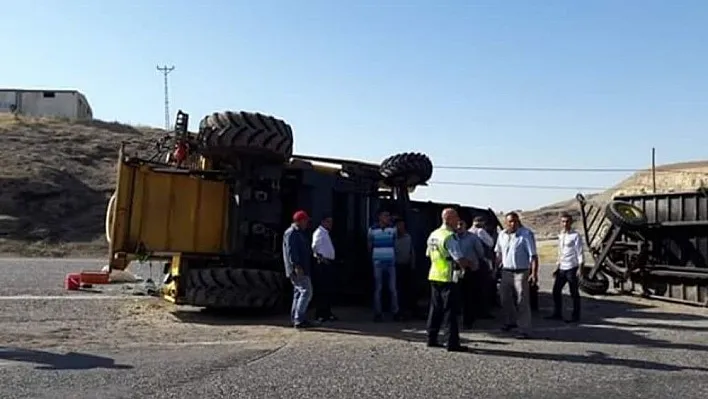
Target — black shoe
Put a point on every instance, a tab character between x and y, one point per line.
398	317
434	344
332	318
554	317
321	319
378	318
573	320
523	335
458	348
508	327
304	324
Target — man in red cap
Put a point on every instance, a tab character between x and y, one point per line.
297	256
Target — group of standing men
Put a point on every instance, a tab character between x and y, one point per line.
516	257
309	264
462	275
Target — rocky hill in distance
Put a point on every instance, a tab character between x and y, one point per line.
677	177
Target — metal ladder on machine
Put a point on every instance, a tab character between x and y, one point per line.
596	228
595	224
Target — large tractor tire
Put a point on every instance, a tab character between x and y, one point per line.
231	288
596	286
227	135
625	215
409	169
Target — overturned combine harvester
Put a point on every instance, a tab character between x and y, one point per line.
653	243
213	206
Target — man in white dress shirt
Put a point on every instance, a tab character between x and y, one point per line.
323	271
570	261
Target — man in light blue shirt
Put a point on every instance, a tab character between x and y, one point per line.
515	252
382	244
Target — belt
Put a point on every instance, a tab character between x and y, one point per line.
515	270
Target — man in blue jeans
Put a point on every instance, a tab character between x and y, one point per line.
297	256
382	242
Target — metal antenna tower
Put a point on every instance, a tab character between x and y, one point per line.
166	71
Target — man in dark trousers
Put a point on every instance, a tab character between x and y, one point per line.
479	228
446	265
323	270
405	268
570	261
297	257
473	282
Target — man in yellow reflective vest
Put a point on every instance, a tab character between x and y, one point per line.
447	264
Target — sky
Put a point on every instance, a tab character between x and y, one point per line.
572	84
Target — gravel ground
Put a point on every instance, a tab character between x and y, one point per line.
113	344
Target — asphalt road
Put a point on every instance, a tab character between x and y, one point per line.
113	344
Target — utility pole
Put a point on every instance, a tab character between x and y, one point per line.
166	71
653	169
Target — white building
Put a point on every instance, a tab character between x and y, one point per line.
57	103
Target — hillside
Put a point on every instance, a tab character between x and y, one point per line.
684	176
55	179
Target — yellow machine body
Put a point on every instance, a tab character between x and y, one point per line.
158	212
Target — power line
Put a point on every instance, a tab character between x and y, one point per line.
524	186
533	169
166	71
551	169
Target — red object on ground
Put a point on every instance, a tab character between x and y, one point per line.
93	278
72	281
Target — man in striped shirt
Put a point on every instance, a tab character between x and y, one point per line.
381	243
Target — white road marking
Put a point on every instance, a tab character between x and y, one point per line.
63	260
181	344
69	297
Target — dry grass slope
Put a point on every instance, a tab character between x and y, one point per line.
55	179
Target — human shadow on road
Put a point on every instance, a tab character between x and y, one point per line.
57	361
354	321
593	357
599	324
